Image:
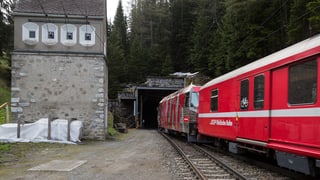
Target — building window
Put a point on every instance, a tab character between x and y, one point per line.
244	95
303	83
214	100
259	92
68	35
49	34
30	33
87	35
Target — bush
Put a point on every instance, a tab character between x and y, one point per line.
110	129
5	96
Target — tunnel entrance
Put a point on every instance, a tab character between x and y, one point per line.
148	103
138	104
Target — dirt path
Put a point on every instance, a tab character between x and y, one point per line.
138	155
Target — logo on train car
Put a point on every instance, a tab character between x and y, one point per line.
220	122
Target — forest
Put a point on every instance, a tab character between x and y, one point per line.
212	37
6	46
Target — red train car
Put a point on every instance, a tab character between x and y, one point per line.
270	106
178	112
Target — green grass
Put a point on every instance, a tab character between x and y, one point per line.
13	152
4	147
111	130
5	96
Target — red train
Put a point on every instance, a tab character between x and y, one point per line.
178	112
271	106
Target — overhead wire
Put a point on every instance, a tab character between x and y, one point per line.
81	12
47	17
88	23
261	25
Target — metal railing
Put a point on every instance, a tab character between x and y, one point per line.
6	105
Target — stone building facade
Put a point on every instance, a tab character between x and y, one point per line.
58	62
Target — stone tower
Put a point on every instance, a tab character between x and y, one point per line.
58	62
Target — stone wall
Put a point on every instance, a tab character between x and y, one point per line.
63	85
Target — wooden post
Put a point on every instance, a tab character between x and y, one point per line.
69	124
18	128
7	113
49	127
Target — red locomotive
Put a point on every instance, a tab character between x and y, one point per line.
270	106
178	112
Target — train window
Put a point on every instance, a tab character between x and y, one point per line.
303	83
214	100
186	100
244	95
259	92
194	99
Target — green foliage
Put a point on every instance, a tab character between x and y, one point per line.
313	7
5	96
209	36
117	53
111	130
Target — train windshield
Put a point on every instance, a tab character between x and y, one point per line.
194	99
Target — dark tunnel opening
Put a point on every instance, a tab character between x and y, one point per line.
150	113
150	102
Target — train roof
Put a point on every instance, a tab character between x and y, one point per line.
183	90
297	48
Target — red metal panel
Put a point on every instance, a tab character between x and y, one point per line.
218	127
256	128
222	127
304	131
300	135
279	88
292	148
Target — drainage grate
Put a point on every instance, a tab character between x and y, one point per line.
58	165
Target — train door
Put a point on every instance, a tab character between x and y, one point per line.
295	117
254	116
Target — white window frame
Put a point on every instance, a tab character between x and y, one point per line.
46	28
26	28
82	32
63	36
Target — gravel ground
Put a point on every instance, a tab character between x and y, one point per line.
137	155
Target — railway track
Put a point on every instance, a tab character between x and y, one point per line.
197	162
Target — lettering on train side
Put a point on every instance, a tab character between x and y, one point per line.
220	122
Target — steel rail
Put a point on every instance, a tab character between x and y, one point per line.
180	151
225	166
